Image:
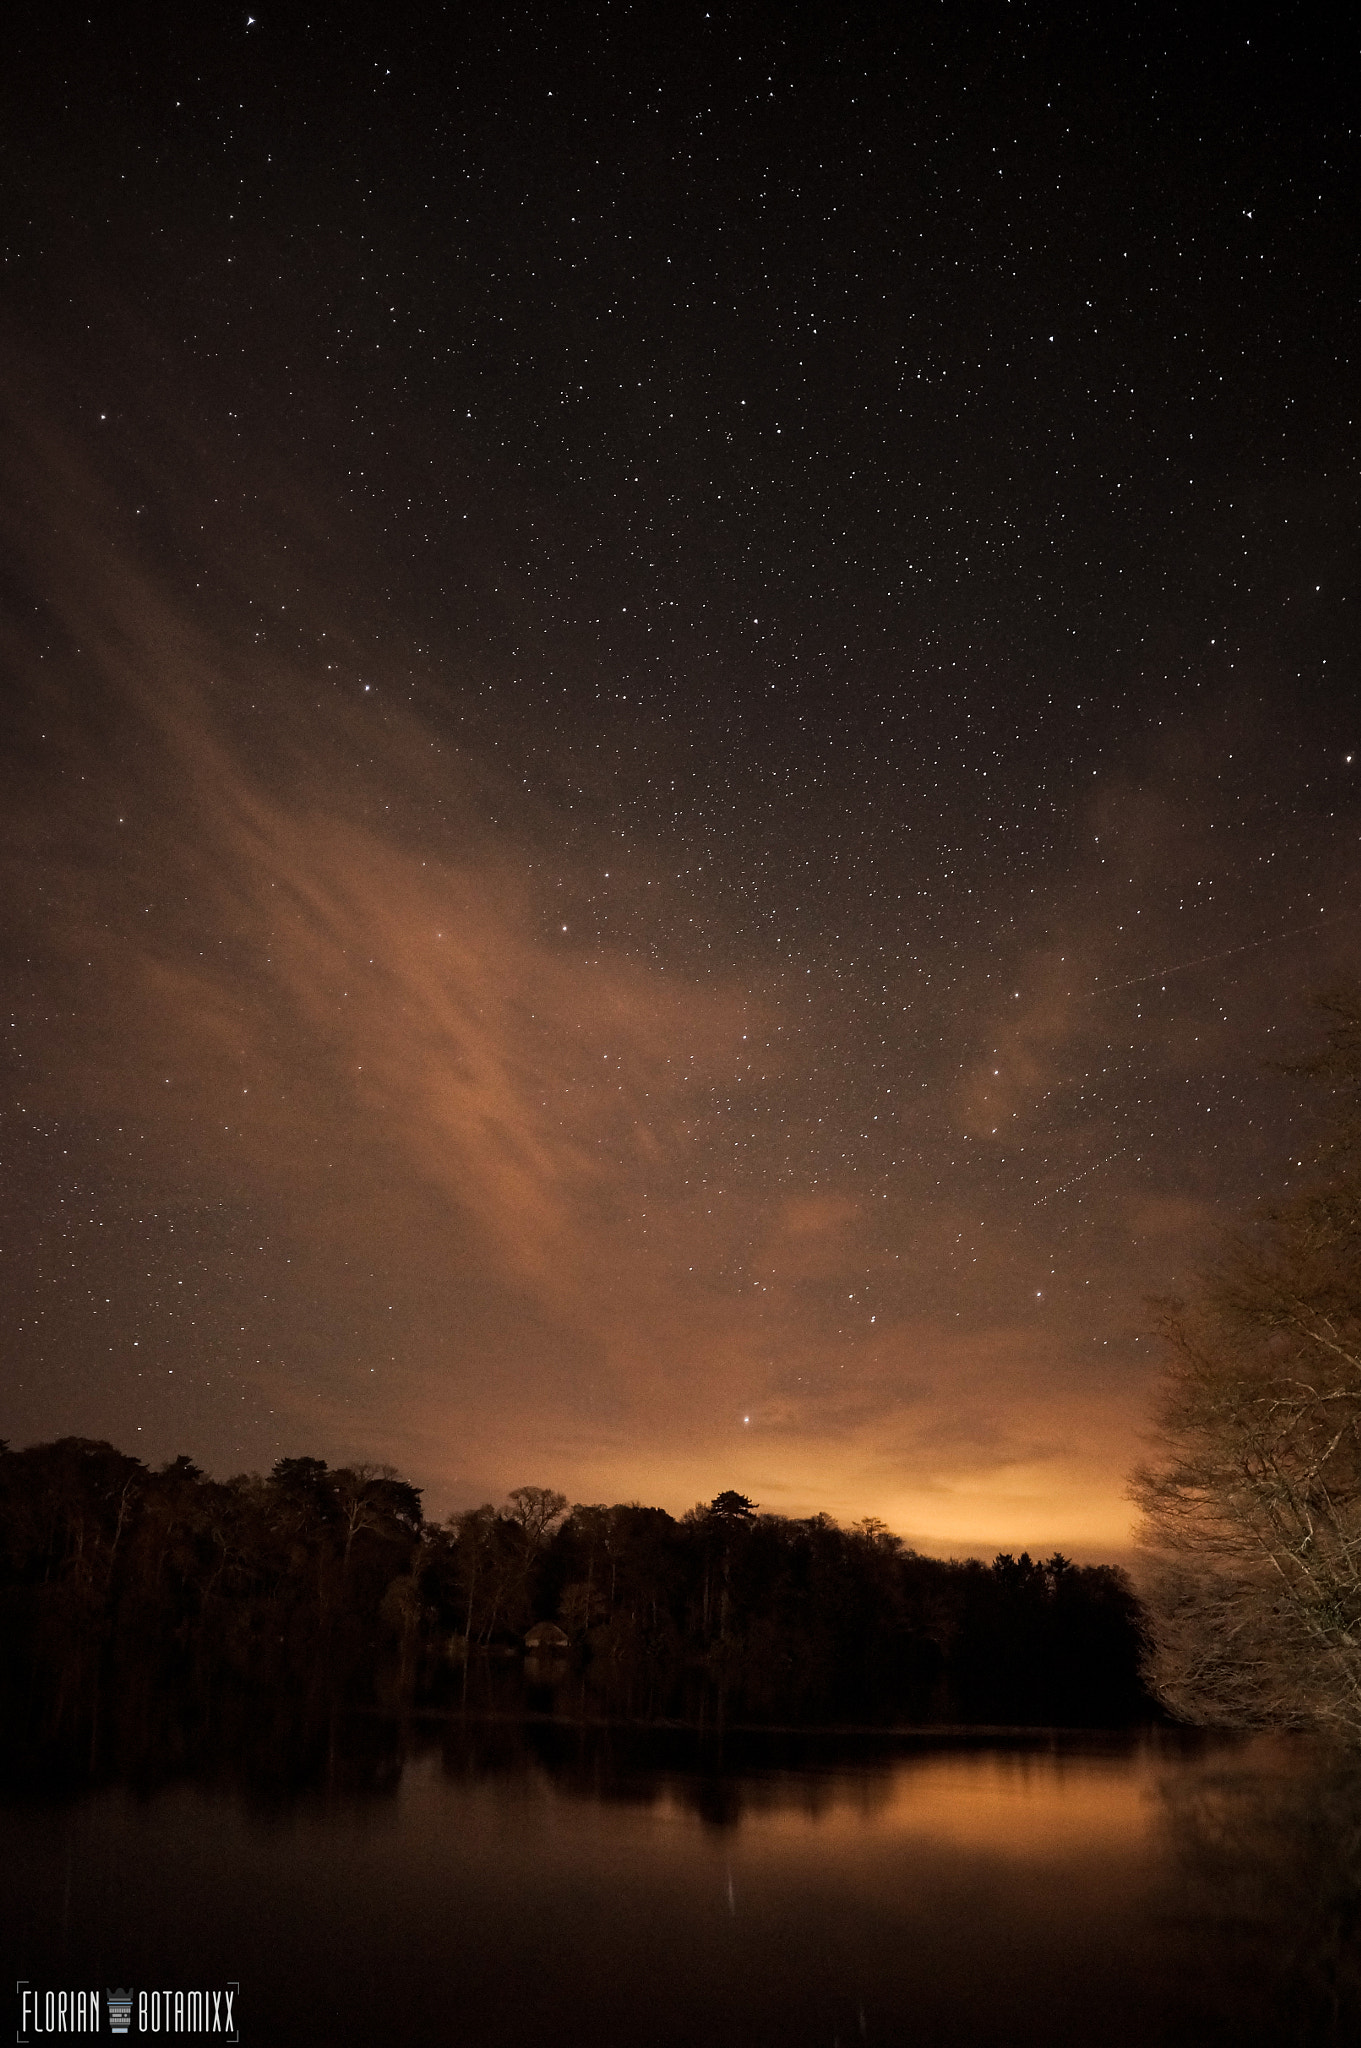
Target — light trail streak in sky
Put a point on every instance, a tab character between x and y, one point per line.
1205	959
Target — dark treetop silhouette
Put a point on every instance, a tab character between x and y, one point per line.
120	1585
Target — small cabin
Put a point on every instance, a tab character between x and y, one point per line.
546	1635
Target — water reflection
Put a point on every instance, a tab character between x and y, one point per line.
474	1881
999	1793
1266	1842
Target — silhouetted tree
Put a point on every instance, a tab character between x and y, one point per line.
1252	1512
536	1508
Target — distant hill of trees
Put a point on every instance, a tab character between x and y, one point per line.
122	1588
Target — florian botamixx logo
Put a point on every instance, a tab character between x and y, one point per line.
195	2014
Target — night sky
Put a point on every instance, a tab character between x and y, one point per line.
679	709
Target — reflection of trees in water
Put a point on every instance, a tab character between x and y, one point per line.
1267	1842
276	1742
722	1779
729	1778
274	1748
266	1746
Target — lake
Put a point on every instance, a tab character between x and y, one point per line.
485	1883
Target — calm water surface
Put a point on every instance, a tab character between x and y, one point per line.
495	1885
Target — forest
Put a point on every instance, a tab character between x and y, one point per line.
132	1597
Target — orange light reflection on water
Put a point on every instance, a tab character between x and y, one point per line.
1019	1807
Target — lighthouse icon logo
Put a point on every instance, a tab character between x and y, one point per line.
120	2011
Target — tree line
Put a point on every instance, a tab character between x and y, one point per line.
122	1586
